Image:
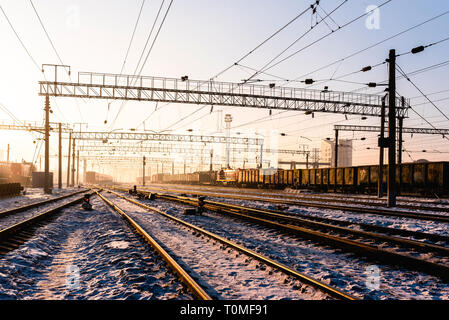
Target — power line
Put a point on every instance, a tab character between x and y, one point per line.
265	67
132	37
46	33
408	79
325	36
148	53
246	55
20	40
265	41
374	45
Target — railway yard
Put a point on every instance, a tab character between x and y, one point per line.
190	242
224	159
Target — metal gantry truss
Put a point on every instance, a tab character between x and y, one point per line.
144	136
33	126
143	88
137	136
442	132
172	148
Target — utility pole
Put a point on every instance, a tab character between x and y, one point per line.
77	167
335	160
60	158
400	125
400	129
68	160
143	171
391	183
228	120
73	163
7	155
47	188
210	164
381	144
84	170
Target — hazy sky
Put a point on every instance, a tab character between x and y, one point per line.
201	38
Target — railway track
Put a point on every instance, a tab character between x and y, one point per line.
350	209
331	291
15	235
12	211
346	199
337	236
194	287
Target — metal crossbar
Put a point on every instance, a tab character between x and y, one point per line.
404	130
127	87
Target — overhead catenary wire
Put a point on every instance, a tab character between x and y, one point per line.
59	58
267	65
311	7
252	50
132	36
374	45
20	40
28	53
264	41
420	91
323	37
148	53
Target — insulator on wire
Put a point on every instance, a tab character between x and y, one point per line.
309	81
372	84
367	68
417	49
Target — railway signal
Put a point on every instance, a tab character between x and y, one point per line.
86	203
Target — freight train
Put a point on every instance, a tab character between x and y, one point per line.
430	178
11	172
93	177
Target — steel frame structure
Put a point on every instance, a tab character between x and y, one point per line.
442	132
92	85
143	136
164	148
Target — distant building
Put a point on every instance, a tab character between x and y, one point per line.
344	152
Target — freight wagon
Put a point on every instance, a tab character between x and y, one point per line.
93	177
429	179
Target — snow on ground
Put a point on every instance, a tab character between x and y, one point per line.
230	274
32	195
345	271
302	193
384	221
10	220
111	261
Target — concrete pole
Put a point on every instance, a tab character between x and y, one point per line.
73	163
47	188
380	174
68	160
391	183
78	167
60	158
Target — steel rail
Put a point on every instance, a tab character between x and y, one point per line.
332	199
321	225
369	227
183	275
392	258
341	196
285	269
375	210
37	204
